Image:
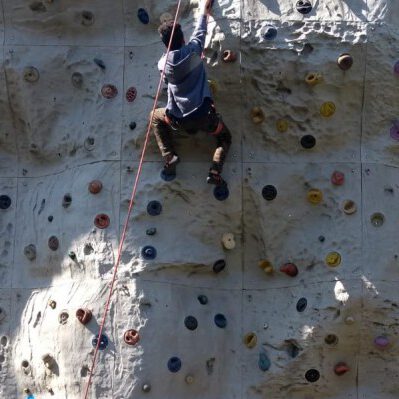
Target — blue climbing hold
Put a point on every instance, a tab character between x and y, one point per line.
30	397
154	208
220	321
301	305
149	252
103	342
269	32
142	15
202	299
168	176
174	364
221	192
219	265
5	201
264	362
191	323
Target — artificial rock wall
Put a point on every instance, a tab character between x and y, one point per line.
318	319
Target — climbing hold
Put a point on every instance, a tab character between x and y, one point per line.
63	317
229	56
266	266
89	144
290	269
99	63
154	208
202	299
345	61
132	125
257	115
52	304
48	360
146	388
72	255
30	252
228	241
2	315
219	265
221	192
102	221
27	390
191	323
220	320
167	176
174	364
151	231
166	17
87	18
396	68
349	207
5	201
331	339
25	366
95	186
269	193
77	80
103	342
189	379
377	219
37	6
322	238
31	74
308	141
315	196
84	315
312	375
341	368
337	178
67	200
328	109
213	86
394	131
381	342
269	32
301	305
131	337
149	252
131	94
109	91
349	320
143	16
304	6
333	259
282	125
250	340
313	78
53	243
264	362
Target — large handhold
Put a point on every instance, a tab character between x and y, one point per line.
304	6
84	315
345	61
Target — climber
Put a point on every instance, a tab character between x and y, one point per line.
190	106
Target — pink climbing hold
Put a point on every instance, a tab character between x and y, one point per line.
338	178
109	91
381	342
289	269
341	368
131	94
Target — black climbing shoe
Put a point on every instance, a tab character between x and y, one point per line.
216	179
171	162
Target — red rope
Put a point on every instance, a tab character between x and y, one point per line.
131	204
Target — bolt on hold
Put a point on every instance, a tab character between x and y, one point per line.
257	115
229	56
84	315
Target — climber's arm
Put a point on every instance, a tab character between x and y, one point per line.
197	40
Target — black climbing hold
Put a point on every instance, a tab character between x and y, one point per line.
99	63
219	265
132	125
301	305
191	323
103	342
322	238
154	208
269	32
221	192
174	364
151	231
149	252
142	15
304	6
5	201
269	193
220	320
67	201
50	218
312	375
308	141
202	299
168	176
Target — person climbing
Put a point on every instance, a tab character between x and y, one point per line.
190	105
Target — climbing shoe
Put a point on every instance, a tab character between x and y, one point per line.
171	162
216	179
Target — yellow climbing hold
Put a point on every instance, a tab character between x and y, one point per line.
213	86
328	109
266	266
333	259
282	125
250	340
315	196
257	115
313	78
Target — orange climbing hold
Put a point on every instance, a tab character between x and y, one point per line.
131	337
95	186
266	266
84	315
102	221
315	196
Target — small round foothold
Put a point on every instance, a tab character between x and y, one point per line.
290	269
30	252
229	56
191	323
264	362
221	192
89	143
333	259
63	317
77	80
219	265
27	391
31	74
143	16
148	252
95	186
146	388
228	241
131	337
84	315
109	91
381	342
102	221
250	340
67	200
301	305
87	18
266	266
328	109
174	364
154	208
189	379
338	178
394	131
345	61
304	6
377	219
202	299
341	368
52	304
308	141
269	32
331	339
5	201
282	125
103	342
220	320
349	320
269	193
349	207
257	115
315	196
322	238
50	218
151	231
312	375
53	243
313	78
132	125
131	94
396	68
168	176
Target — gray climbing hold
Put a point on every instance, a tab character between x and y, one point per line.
30	252
31	74
146	388
264	362
77	80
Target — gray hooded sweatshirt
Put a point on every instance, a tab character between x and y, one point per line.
185	75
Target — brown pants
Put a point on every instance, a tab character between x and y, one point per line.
211	123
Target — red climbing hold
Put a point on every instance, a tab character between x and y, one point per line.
109	91
338	178
53	243
95	186
341	368
289	269
131	337
102	221
229	56
84	315
131	94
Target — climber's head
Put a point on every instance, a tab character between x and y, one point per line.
165	30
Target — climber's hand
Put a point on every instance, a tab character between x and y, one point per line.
206	6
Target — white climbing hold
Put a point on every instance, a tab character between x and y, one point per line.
228	241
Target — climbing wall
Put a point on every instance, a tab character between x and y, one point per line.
283	288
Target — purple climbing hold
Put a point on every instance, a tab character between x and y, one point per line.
395	130
381	342
396	68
